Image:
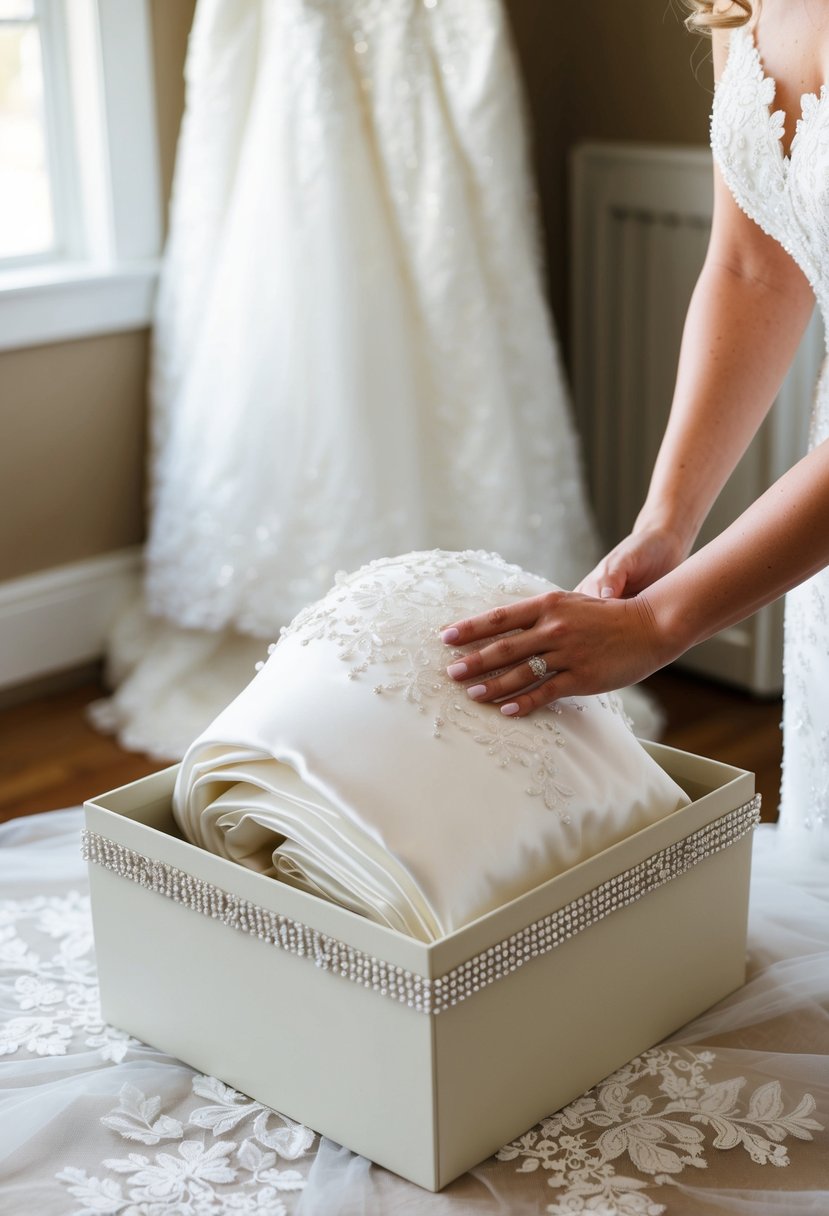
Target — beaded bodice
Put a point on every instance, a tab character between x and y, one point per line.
787	195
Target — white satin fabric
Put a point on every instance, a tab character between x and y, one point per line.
354	767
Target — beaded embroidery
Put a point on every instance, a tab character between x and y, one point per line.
787	196
387	615
418	992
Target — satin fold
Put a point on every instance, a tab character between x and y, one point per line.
353	767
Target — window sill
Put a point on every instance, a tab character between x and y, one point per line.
40	305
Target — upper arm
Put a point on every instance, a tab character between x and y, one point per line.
719	51
738	245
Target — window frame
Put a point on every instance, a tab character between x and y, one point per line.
109	231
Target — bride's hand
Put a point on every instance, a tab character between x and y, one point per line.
636	562
588	645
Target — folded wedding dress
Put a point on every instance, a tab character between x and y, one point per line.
353	767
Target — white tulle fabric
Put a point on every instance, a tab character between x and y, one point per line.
788	196
353	356
354	767
727	1118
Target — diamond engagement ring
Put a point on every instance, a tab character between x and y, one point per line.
537	666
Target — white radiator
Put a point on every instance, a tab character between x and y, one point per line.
640	223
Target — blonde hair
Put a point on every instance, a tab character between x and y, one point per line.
705	16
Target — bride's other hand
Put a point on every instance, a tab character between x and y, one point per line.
636	562
588	645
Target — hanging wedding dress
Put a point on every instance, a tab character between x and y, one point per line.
353	356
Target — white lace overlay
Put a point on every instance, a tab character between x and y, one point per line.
727	1117
659	1113
788	196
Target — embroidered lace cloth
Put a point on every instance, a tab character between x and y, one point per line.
727	1118
354	767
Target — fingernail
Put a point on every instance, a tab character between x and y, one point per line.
606	593
478	690
456	670
450	635
512	708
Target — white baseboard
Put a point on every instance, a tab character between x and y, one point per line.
59	618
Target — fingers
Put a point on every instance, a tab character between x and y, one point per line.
506	684
499	620
558	686
504	652
607	581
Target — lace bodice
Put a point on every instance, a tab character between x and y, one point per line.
787	195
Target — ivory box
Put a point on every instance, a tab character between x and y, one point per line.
424	1058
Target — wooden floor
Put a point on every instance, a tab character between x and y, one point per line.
50	757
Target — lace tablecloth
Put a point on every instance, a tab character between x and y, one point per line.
728	1116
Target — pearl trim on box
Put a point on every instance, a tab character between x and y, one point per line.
417	992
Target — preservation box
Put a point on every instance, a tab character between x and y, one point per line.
424	1058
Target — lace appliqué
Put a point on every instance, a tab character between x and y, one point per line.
787	196
375	624
55	989
189	1176
656	1111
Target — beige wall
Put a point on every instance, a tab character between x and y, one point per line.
69	463
608	69
71	459
72	414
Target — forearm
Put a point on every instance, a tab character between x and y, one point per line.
782	539
746	317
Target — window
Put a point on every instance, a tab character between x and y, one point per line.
80	212
27	168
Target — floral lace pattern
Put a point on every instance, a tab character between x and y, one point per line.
55	990
788	196
655	1112
387	616
189	1177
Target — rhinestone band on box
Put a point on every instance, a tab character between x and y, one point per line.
425	995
